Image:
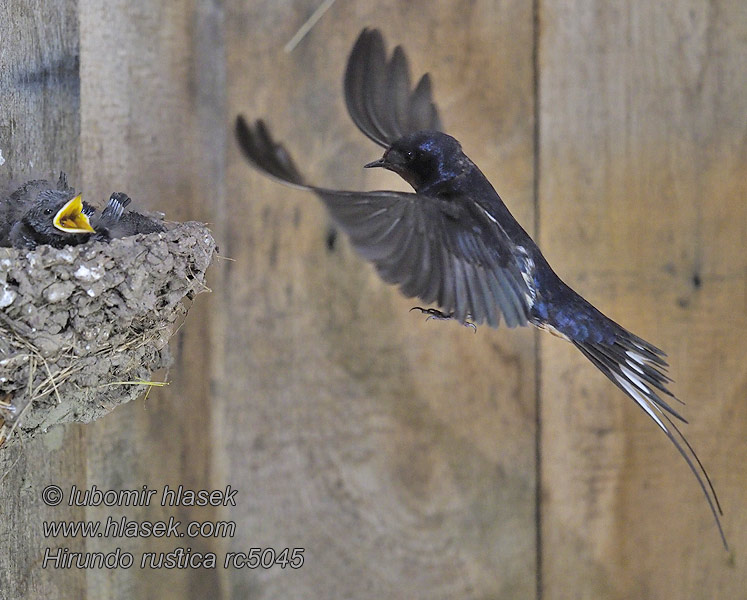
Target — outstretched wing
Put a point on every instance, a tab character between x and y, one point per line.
378	96
435	250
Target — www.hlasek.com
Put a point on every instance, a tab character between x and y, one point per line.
121	527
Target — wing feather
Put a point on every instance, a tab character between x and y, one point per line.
431	248
377	92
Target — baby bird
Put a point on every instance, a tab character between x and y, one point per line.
36	214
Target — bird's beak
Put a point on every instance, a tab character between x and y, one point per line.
377	163
71	218
392	161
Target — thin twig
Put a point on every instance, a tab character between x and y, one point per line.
306	27
148	383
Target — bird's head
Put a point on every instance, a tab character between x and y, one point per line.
424	159
55	214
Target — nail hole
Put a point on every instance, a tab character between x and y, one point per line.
331	240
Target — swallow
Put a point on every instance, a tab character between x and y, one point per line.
453	242
21	200
54	219
59	217
114	222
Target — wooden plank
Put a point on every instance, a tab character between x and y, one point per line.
153	121
39	131
398	453
642	187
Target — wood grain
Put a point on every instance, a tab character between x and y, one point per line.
399	453
642	188
39	135
153	120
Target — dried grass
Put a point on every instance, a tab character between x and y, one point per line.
82	329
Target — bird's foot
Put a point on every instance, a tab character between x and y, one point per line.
434	313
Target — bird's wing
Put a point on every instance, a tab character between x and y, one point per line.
114	209
266	155
378	96
427	246
88	210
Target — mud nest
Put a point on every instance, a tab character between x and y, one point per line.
83	328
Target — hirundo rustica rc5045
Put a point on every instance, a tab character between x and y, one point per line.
454	242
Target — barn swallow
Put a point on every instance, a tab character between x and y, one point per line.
21	200
58	217
454	242
54	219
133	223
114	222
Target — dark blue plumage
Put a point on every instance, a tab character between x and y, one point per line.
455	243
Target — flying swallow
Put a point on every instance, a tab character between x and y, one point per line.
454	242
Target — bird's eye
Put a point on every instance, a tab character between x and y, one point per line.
410	154
47	211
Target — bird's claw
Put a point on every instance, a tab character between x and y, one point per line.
434	313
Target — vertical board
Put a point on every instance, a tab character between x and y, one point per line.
399	453
39	135
154	126
642	208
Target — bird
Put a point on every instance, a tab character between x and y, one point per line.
13	207
115	222
38	214
454	242
54	219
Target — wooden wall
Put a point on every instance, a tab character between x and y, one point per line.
410	459
39	133
642	201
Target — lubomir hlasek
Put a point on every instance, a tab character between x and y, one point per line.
40	212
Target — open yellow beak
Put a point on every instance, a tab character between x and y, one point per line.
71	218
